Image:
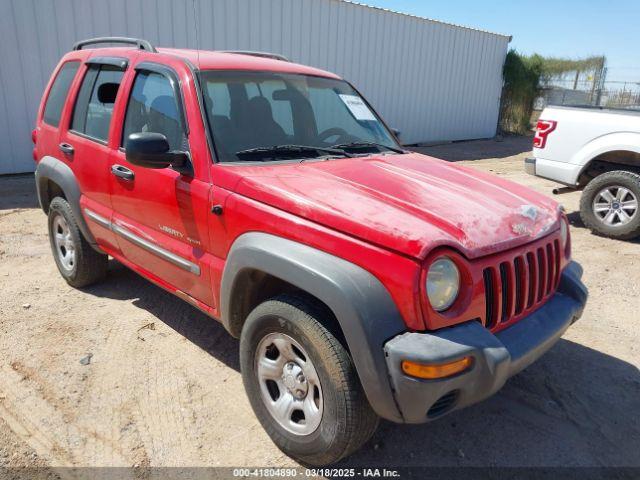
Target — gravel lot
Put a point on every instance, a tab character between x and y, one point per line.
163	386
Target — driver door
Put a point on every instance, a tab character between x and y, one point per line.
160	215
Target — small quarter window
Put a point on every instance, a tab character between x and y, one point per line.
96	99
58	93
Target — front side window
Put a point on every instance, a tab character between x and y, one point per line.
154	108
58	93
249	113
96	99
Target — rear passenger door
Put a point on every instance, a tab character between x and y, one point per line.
161	215
84	141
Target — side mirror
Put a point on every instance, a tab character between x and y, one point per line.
151	150
396	132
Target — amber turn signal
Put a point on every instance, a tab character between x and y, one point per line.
441	370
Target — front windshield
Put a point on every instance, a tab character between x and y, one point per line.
250	113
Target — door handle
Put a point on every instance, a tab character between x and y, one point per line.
66	148
122	172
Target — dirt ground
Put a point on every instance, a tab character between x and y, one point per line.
163	387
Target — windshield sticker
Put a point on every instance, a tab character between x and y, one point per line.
357	107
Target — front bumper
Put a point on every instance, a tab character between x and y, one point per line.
530	166
496	356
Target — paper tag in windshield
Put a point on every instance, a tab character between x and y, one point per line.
357	107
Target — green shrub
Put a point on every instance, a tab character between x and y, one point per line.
521	79
523	76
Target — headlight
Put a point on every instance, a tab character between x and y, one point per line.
443	283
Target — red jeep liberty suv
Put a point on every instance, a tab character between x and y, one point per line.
363	280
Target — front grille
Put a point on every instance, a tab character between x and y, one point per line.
521	283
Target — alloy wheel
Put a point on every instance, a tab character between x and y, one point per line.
615	206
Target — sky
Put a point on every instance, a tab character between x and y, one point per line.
562	28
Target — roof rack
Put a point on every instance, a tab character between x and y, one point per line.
274	56
141	44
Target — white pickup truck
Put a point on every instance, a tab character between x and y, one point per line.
598	150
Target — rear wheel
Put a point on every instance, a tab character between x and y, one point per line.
78	263
301	382
610	205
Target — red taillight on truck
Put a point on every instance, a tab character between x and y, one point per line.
543	129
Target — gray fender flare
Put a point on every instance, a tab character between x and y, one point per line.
362	305
50	168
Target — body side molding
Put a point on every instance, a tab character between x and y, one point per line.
99	219
148	245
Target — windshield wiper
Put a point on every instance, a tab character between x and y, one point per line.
275	149
363	143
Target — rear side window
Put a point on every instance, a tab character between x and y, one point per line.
58	93
153	107
96	99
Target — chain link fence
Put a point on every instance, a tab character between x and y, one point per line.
532	82
607	94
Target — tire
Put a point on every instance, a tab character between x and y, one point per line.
346	420
612	222
78	263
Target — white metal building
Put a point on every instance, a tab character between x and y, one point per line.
432	80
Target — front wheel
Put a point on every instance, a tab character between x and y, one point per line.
609	205
301	382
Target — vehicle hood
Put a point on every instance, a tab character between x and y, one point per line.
408	203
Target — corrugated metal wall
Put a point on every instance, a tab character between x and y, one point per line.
431	80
